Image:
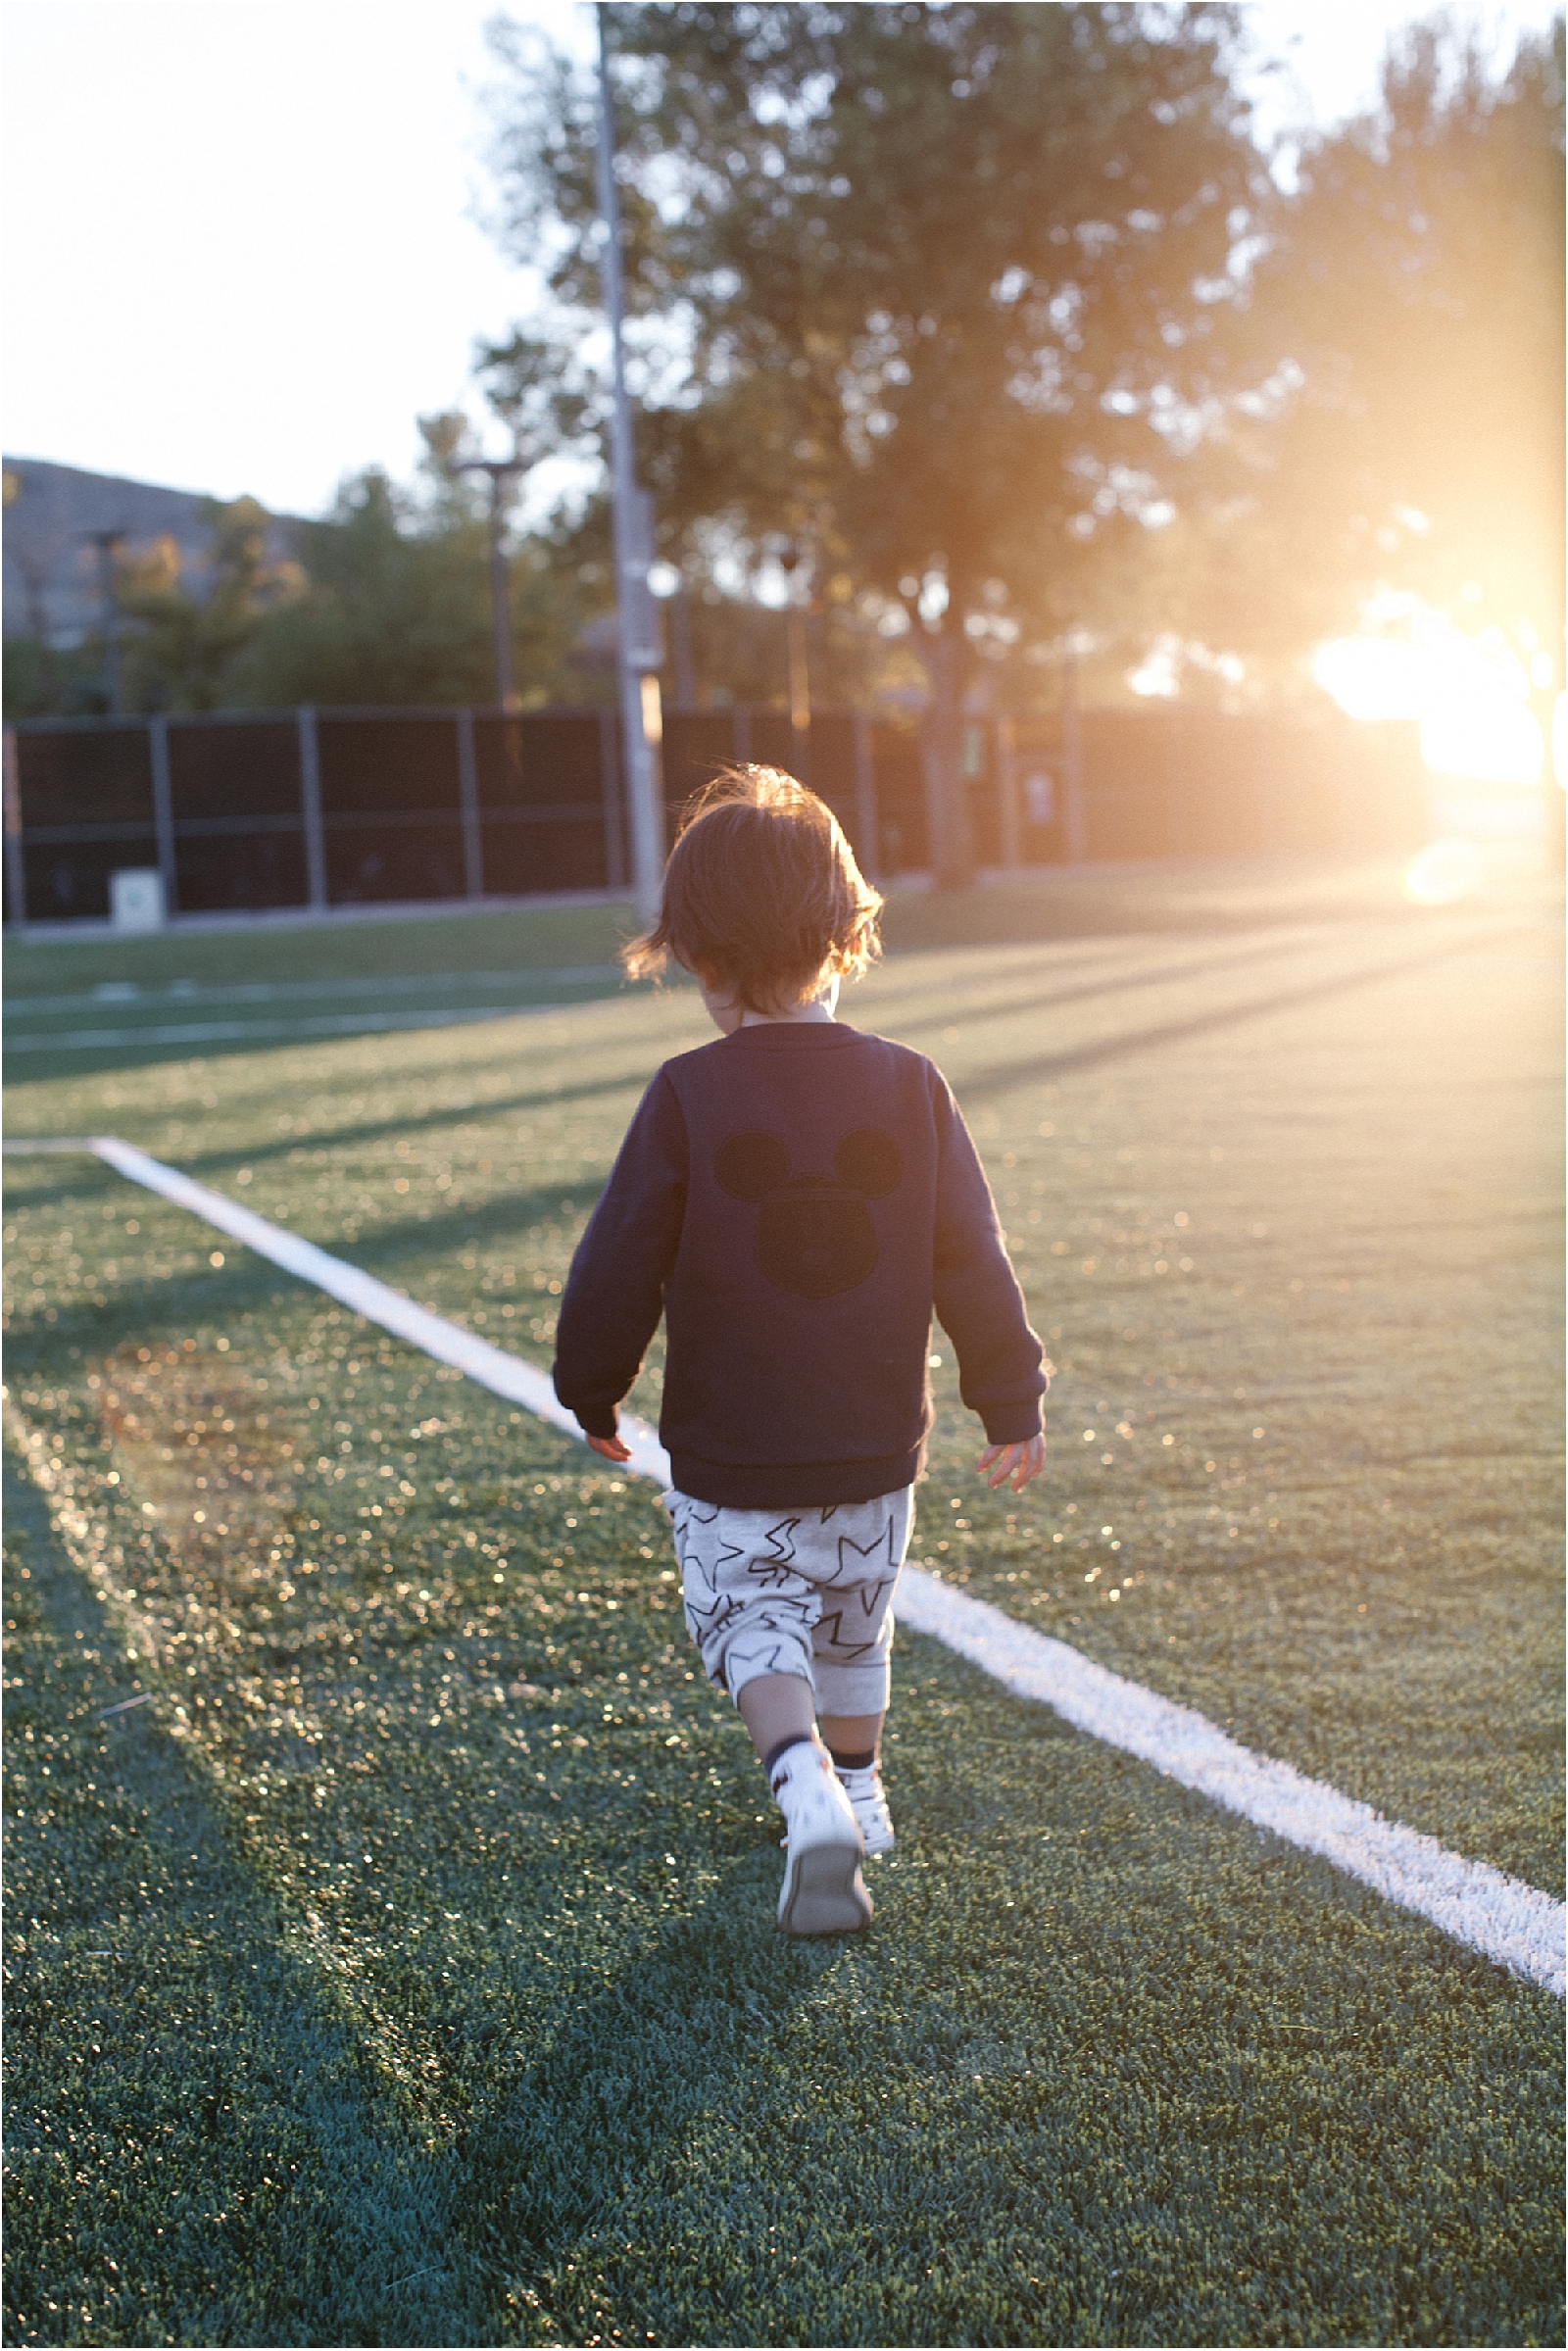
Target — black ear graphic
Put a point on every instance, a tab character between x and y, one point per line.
868	1162
752	1164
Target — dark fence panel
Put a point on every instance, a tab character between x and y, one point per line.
370	766
836	772
90	772
696	745
236	816
69	881
220	770
344	808
540	762
239	872
524	861
548	802
899	775
380	863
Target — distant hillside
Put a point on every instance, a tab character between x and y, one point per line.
50	566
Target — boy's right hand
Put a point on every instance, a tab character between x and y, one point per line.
1013	1464
611	1447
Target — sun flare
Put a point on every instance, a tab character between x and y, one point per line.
1470	696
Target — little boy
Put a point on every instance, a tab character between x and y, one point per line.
795	1198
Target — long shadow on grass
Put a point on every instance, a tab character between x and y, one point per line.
598	2126
252	1154
382	2239
394	1241
1159	976
132	1050
145	1305
358	2248
1003	1076
375	1130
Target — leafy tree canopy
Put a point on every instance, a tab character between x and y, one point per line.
934	285
181	641
1408	318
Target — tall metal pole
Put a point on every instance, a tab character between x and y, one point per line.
637	658
500	472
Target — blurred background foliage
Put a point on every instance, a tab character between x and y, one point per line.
985	332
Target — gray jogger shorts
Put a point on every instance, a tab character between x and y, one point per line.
806	1591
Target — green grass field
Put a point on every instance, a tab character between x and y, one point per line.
403	1970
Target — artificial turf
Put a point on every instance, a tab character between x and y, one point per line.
403	1969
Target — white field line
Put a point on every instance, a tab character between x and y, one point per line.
189	996
1503	1917
1510	1922
236	1032
502	1374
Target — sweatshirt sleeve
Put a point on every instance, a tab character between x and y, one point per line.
615	1290
1001	1372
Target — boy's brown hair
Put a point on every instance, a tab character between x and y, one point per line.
761	894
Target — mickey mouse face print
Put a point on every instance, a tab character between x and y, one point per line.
814	1233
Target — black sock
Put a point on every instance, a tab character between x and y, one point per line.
853	1763
797	1739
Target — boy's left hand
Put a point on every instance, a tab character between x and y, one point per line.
1014	1464
611	1447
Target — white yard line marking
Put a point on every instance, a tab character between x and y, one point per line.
1514	1923
502	1374
236	1032
1478	1905
189	996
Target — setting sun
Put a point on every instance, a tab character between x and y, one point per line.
1470	695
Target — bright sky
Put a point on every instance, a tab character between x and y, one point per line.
241	246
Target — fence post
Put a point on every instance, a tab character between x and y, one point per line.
1008	795
311	809
740	728
16	865
870	860
469	802
163	809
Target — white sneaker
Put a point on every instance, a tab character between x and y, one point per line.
823	1891
869	1803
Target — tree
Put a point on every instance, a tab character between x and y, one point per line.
395	607
182	642
1408	323
928	284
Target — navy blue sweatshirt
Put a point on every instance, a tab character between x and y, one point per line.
796	1199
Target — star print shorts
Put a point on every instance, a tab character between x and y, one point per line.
806	1591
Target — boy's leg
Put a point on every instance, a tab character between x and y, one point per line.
823	1891
854	1736
777	1709
753	1618
852	1643
852	1649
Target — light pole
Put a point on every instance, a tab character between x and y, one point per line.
499	472
637	657
106	541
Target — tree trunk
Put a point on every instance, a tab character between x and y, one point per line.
951	843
